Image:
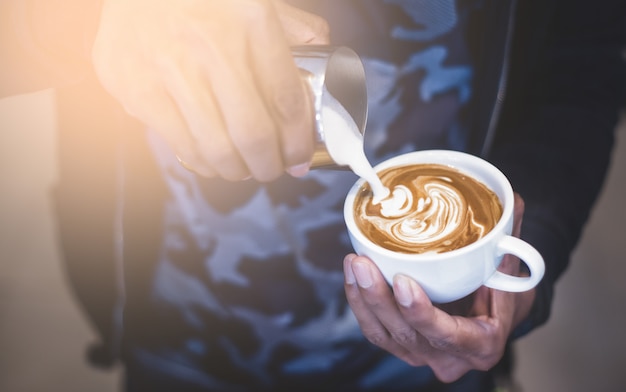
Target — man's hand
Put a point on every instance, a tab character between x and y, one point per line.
215	78
471	334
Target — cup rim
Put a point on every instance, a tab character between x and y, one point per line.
447	158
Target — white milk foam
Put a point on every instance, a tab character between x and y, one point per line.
344	143
399	204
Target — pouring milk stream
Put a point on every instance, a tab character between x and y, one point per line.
344	143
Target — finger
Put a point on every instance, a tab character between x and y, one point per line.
518	214
286	94
462	337
196	103
447	362
379	303
482	304
153	106
248	123
370	324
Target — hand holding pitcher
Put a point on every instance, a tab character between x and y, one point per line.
215	78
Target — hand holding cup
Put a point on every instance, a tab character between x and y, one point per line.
481	298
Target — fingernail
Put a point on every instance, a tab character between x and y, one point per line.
363	275
347	269
402	290
299	170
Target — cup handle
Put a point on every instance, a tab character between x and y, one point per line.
529	255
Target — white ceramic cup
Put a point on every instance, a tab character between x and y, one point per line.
452	275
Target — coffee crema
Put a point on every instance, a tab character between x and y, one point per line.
432	208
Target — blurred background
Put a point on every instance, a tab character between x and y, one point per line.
43	335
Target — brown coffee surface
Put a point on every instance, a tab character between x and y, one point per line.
434	208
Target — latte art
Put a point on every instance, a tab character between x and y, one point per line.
433	208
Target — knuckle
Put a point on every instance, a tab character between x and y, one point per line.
260	149
487	360
233	172
321	29
252	132
377	338
405	337
220	156
227	163
258	140
290	104
446	344
297	155
266	175
223	158
257	145
142	93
